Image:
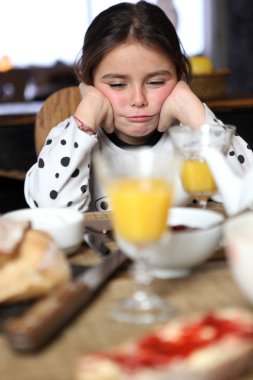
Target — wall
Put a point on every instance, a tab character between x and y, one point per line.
229	40
240	44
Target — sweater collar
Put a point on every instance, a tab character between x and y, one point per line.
121	144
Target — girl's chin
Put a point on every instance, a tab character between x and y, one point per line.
136	132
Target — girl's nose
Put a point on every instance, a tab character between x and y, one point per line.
138	98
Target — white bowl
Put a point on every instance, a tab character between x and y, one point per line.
181	251
239	249
187	249
65	225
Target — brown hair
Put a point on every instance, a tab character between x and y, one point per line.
142	22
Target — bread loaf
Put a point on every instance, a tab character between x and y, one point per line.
11	235
32	264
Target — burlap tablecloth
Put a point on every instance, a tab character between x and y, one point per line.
208	287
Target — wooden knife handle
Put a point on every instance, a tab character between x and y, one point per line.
45	318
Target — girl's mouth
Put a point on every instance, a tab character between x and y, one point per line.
139	118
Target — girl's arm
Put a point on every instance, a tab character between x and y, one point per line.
184	106
94	109
60	178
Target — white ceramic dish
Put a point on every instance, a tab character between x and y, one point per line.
65	225
176	255
239	249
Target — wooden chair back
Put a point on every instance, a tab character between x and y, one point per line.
56	108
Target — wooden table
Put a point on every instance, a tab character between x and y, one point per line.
208	287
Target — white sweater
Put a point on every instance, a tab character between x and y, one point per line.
63	175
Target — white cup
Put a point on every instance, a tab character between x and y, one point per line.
65	225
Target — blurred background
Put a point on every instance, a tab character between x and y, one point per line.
41	39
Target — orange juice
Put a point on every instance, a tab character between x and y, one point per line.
197	178
140	208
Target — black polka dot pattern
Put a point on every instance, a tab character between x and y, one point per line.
53	194
65	161
84	189
232	153
104	206
241	159
41	163
75	173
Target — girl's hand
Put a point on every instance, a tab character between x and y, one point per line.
95	109
182	105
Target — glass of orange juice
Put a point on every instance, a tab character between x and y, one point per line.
140	185
190	144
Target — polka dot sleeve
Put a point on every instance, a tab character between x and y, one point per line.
240	155
60	178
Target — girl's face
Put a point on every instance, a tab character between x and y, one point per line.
136	80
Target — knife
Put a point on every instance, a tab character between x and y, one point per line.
35	328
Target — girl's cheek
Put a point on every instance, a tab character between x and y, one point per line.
166	91
159	97
119	101
116	99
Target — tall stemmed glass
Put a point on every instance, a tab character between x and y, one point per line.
190	144
140	187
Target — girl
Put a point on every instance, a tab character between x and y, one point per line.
133	80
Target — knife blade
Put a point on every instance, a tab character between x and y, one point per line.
36	327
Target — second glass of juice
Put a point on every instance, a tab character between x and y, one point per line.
190	144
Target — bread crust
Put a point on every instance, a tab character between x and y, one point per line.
11	235
36	268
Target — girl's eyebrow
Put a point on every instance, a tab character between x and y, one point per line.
159	72
122	76
113	76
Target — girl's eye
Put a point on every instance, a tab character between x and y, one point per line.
156	83
117	85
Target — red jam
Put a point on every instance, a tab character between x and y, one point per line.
154	351
182	227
